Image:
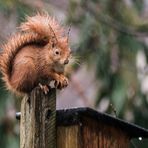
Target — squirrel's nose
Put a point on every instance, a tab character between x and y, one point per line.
66	61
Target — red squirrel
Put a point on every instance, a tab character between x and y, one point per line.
35	55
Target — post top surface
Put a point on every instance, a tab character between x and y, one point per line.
75	116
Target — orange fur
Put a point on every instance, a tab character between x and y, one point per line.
35	54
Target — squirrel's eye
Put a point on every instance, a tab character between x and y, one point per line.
57	52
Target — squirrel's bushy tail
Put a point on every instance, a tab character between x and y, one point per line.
10	50
43	24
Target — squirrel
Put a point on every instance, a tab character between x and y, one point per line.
35	55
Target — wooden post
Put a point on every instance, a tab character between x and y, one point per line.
38	120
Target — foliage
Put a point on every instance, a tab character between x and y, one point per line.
112	34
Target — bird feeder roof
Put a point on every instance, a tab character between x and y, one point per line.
75	116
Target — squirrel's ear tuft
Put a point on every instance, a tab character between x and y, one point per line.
68	33
53	37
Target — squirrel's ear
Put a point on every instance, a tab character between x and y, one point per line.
53	37
64	40
53	41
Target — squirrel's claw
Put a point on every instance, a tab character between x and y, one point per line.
44	88
59	83
62	82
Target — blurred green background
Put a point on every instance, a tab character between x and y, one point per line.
109	39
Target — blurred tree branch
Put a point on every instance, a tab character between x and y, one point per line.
92	8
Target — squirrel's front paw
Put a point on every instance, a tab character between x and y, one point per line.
44	88
61	82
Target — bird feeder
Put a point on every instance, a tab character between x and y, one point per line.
87	128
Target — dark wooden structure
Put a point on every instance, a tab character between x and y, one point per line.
41	126
87	128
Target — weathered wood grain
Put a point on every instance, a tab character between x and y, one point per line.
91	134
100	135
68	137
38	120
